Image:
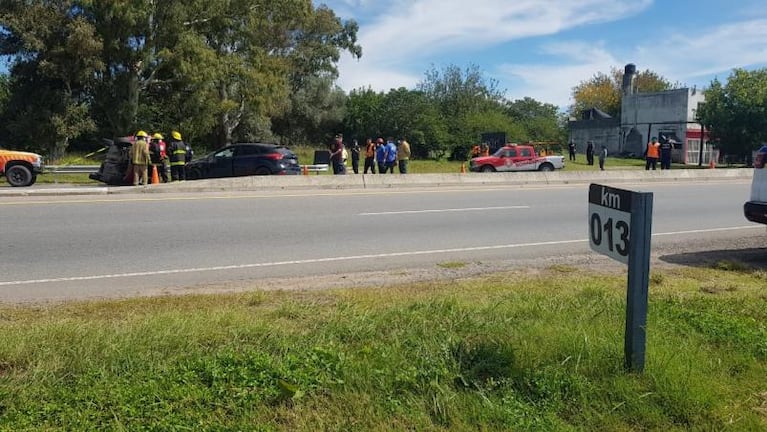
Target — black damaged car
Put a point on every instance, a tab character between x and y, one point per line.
244	159
115	168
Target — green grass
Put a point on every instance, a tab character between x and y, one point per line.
512	351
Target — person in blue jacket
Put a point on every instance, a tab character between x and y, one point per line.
381	155
391	155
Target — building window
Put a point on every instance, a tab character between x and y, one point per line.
693	150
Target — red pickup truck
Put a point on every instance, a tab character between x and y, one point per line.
516	158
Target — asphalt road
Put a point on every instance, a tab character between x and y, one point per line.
83	247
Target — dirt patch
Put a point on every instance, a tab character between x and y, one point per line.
696	253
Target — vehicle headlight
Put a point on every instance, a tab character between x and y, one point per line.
38	162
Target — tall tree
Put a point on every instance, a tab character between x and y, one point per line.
217	68
130	34
409	114
315	103
364	114
458	94
316	112
604	91
736	113
541	121
5	91
55	52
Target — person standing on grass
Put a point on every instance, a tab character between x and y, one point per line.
356	157
590	152
651	154
381	155
571	149
370	157
403	156
390	155
602	157
337	155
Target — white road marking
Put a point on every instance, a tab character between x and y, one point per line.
344	258
467	209
743	227
192	196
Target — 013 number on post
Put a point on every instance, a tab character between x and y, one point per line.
609	232
610	221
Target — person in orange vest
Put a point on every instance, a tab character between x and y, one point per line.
652	154
370	156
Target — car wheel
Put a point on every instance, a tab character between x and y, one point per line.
488	168
546	167
19	175
263	171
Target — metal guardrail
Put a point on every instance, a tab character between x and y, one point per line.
71	169
315	168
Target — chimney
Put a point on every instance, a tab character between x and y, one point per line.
629	72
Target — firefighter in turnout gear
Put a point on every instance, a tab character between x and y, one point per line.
140	158
159	155
178	157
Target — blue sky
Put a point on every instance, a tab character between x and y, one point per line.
543	48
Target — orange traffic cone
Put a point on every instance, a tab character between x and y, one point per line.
305	170
463	167
155	177
712	164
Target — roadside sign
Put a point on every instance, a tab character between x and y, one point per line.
620	226
610	221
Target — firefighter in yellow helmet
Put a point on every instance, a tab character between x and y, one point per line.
178	156
159	155
140	158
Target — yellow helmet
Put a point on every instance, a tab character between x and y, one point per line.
176	135
141	134
157	136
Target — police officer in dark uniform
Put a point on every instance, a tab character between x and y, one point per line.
666	145
590	152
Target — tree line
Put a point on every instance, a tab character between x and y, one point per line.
220	70
265	70
224	71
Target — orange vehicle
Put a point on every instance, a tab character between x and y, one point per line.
20	168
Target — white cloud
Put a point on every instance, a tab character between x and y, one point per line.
690	58
709	51
427	27
404	37
412	33
553	83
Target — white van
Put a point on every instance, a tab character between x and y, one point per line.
755	210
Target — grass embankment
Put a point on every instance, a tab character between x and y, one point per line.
508	352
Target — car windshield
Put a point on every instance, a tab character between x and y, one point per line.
499	152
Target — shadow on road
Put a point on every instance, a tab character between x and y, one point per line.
746	260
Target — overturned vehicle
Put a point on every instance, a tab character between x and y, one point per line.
114	170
